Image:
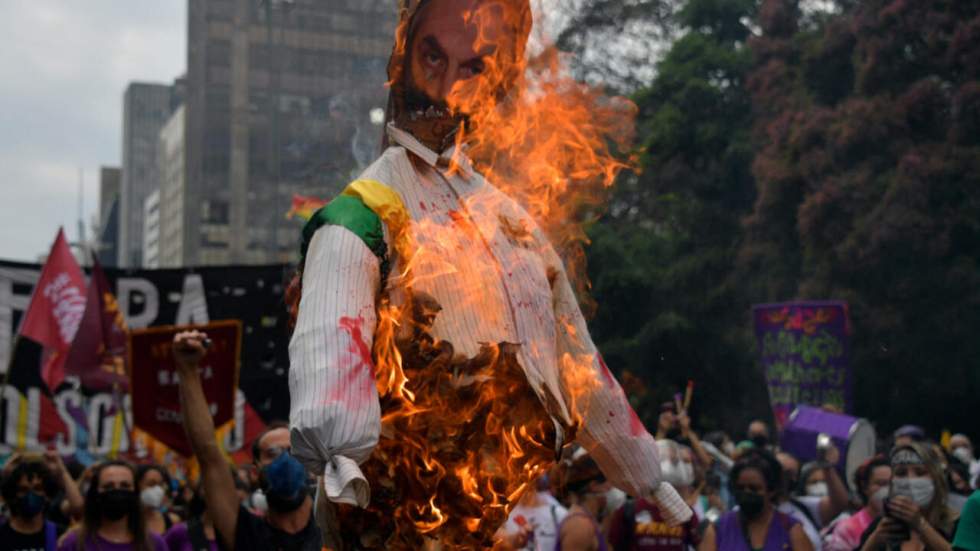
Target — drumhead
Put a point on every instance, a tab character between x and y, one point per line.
861	447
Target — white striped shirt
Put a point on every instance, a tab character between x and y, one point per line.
498	280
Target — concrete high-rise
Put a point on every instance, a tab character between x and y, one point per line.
146	107
107	237
173	199
280	95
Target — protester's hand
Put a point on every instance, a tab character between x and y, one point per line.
831	455
512	541
189	349
52	460
905	510
12	462
665	422
684	422
890	530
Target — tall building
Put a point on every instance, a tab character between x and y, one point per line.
279	101
146	107
151	230
107	236
170	157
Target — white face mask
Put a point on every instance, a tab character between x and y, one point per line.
921	490
817	489
687	474
677	474
258	501
963	454
615	498
152	497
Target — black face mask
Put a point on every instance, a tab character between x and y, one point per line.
750	504
116	504
761	441
28	505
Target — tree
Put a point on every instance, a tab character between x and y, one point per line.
662	258
868	175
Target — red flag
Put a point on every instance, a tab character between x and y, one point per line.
56	309
98	351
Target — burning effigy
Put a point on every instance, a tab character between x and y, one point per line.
440	359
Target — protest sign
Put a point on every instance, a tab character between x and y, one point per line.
803	348
155	384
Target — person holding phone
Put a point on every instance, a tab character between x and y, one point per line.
916	516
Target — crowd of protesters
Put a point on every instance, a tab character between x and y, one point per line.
745	494
751	495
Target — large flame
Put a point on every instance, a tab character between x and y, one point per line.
464	436
553	144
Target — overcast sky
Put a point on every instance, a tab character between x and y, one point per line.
63	69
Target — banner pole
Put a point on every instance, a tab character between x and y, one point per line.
10	365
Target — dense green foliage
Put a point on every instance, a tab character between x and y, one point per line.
788	156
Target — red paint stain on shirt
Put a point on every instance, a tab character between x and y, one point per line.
422	205
636	426
610	380
358	346
359	376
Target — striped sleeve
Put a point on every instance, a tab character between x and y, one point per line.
609	428
334	413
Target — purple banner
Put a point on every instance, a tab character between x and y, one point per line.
803	347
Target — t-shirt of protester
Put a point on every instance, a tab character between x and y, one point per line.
185	536
254	533
12	540
542	520
98	543
650	531
968	530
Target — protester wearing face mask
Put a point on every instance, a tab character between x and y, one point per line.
638	524
112	520
812	481
873	482
289	523
154	488
26	488
758	434
915	513
961	448
958	482
813	512
756	524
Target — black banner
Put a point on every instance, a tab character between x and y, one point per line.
147	298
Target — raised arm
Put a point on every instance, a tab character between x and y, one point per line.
76	503
335	415
223	504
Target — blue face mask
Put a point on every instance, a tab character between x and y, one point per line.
28	505
284	483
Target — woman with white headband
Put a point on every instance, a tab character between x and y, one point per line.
916	516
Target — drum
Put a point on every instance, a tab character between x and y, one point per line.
854	437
